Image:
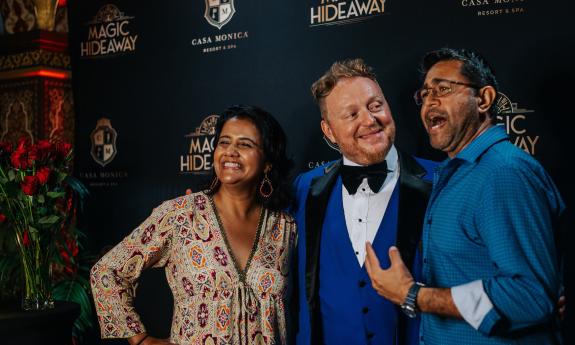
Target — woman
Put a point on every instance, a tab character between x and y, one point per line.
226	250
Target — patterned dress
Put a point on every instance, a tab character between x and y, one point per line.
215	302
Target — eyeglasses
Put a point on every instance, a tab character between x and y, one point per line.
442	88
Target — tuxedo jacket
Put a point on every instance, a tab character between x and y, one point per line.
313	190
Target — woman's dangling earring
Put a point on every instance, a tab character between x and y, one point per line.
266	188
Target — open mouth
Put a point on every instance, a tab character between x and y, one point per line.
231	165
436	122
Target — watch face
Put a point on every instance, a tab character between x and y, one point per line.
409	310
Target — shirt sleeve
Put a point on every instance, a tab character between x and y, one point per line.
515	218
114	277
472	302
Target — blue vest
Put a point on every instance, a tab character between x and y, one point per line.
352	312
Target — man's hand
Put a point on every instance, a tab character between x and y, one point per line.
392	283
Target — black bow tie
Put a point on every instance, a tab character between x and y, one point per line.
352	176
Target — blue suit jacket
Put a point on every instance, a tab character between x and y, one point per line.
312	194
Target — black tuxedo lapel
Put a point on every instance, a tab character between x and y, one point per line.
315	209
413	196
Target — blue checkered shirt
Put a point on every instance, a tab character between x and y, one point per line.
491	219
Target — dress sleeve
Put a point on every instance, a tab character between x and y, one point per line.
114	277
516	222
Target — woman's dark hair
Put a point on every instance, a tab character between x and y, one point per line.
474	68
274	148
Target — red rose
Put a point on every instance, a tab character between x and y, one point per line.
19	158
43	175
29	185
45	145
26	239
33	154
22	142
2	217
63	149
43	149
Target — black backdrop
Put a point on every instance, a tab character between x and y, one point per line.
158	71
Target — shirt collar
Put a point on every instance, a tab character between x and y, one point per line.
482	143
391	160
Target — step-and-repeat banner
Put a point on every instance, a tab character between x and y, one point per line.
150	79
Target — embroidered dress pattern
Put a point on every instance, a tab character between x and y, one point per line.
215	302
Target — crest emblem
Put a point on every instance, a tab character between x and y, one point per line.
103	142
207	127
505	106
219	12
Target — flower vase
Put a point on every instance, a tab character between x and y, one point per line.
37	275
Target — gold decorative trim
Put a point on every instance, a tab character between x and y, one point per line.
34	58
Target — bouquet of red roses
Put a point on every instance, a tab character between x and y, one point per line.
36	196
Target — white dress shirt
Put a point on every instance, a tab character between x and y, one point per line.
365	209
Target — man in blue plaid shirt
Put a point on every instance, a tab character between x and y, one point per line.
490	263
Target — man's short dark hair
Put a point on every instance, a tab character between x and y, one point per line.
474	68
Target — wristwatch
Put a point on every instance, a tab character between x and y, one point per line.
409	305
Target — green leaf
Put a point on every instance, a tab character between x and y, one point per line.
34	234
33	231
41	199
48	219
61	176
55	195
11	175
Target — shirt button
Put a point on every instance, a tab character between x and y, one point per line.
362	283
429	221
356	253
363	189
370	335
424	260
365	310
360	220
